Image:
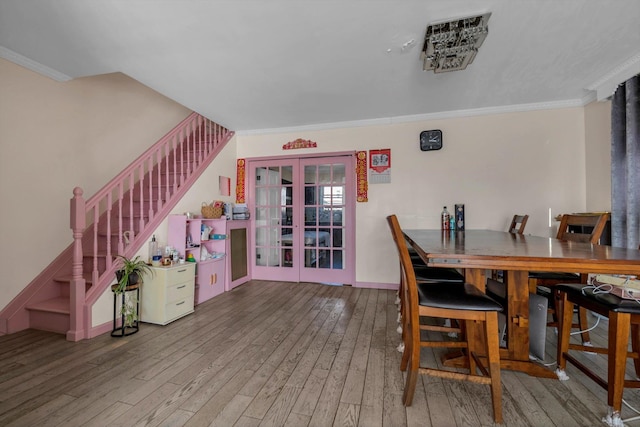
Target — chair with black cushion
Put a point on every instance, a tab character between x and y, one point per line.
574	228
426	274
447	301
624	318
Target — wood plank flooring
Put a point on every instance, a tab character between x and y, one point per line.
271	354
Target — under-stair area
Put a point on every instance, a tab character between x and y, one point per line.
117	220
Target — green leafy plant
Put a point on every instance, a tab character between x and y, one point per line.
130	274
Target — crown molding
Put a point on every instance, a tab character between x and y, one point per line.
32	65
607	84
571	103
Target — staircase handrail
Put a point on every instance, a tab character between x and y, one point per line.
182	153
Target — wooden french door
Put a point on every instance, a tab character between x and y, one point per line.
303	219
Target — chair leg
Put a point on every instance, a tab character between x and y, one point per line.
584	324
635	346
565	314
493	355
471	339
412	377
619	326
406	351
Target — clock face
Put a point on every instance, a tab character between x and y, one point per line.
431	140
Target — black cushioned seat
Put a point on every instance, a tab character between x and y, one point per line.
457	296
609	301
551	275
437	275
426	274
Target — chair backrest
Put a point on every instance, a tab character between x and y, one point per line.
401	243
408	284
518	223
572	228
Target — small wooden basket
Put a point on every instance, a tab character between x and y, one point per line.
212	211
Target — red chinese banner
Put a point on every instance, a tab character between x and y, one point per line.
361	177
240	174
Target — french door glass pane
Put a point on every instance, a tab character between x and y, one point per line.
323	213
274	216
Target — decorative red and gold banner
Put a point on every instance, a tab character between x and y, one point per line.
299	143
240	174
361	177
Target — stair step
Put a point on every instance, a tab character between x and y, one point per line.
58	305
66	278
52	315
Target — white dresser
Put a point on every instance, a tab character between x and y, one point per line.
168	294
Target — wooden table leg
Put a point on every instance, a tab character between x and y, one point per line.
516	356
517	283
477	277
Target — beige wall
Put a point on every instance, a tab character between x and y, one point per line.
598	159
55	136
497	165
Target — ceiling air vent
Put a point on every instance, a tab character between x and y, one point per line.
452	45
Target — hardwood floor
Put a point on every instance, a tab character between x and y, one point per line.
270	354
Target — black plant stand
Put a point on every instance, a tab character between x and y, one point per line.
118	301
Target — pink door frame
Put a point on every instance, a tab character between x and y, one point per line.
347	275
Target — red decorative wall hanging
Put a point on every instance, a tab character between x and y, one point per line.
361	177
240	174
380	166
299	143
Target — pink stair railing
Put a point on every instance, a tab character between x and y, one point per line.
131	206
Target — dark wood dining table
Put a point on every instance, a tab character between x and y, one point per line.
476	251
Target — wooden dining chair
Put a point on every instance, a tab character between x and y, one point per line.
624	317
518	223
446	301
573	228
427	275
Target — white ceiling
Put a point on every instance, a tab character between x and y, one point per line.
261	65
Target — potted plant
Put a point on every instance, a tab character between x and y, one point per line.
130	277
130	273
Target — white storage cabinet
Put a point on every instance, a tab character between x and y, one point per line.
168	294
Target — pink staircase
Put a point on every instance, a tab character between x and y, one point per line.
118	219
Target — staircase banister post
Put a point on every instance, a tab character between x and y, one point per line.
78	220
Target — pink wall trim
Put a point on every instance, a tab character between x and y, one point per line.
100	329
373	285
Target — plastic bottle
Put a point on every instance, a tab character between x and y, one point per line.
153	248
445	217
452	223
